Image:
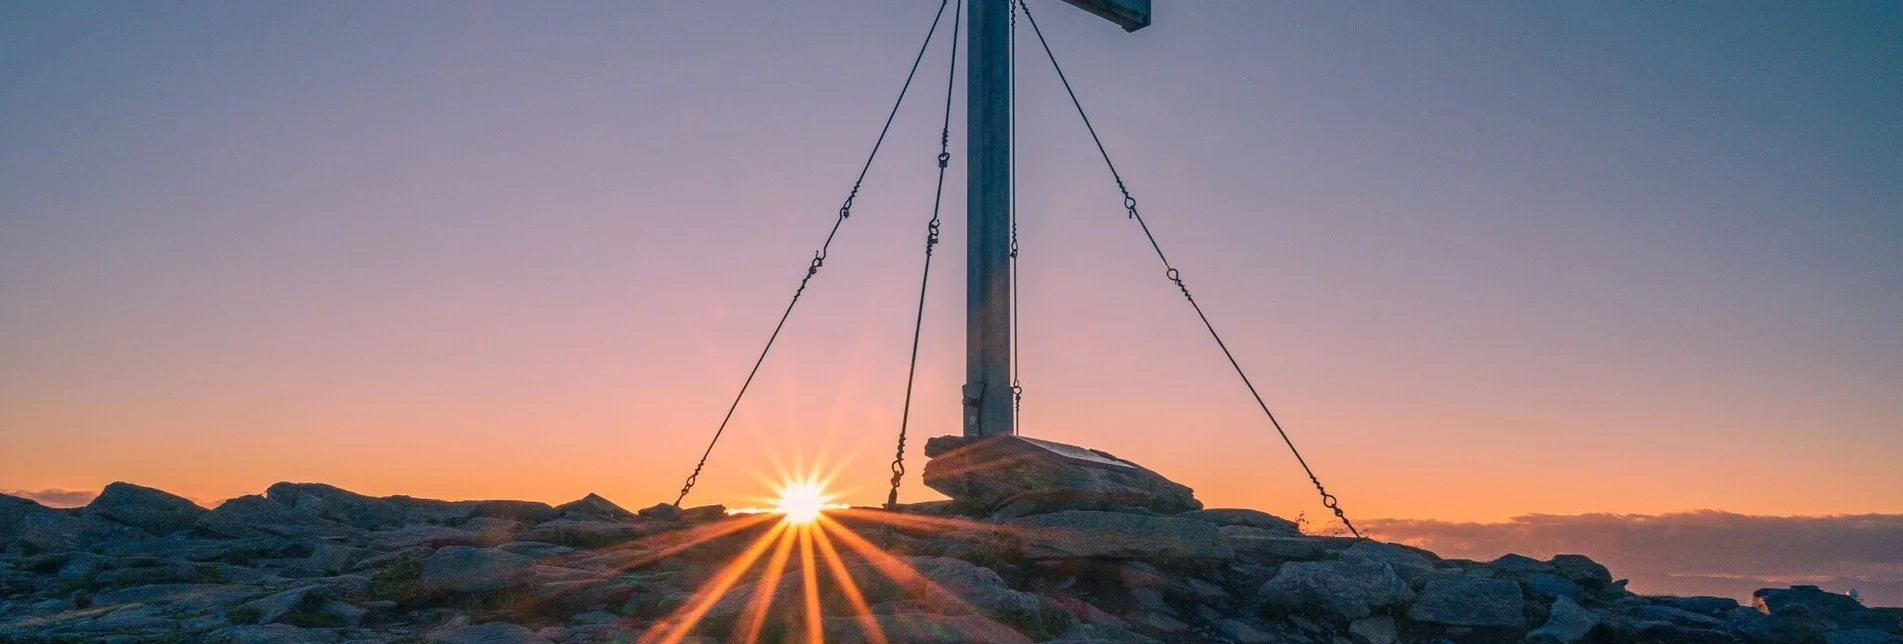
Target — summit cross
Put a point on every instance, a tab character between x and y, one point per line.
988	408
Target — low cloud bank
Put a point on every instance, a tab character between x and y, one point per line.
58	498
55	497
1704	553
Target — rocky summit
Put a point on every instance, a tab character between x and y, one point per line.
1131	560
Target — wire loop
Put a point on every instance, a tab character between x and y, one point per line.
925	278
819	257
1130	206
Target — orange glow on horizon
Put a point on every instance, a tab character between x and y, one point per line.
1526	297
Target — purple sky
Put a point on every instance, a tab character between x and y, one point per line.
1484	260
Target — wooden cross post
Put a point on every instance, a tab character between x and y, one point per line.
987	391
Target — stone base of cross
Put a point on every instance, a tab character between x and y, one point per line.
1013	476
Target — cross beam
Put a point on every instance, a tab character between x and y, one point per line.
987	392
1131	15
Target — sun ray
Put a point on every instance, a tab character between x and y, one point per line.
676	541
776	472
673	542
921	522
675	626
932	523
668	544
769	586
824	473
908	578
861	611
804	520
809	579
822	470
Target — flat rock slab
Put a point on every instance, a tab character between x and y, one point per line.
1115	535
1241	517
1249	545
999	472
419	535
971	588
466	569
1341	590
700	513
662	511
1470	601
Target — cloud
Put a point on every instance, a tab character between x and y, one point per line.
1705	552
59	498
56	497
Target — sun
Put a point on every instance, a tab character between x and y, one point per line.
801	502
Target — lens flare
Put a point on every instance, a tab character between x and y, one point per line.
801	502
815	542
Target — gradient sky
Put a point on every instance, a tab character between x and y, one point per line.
1482	259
